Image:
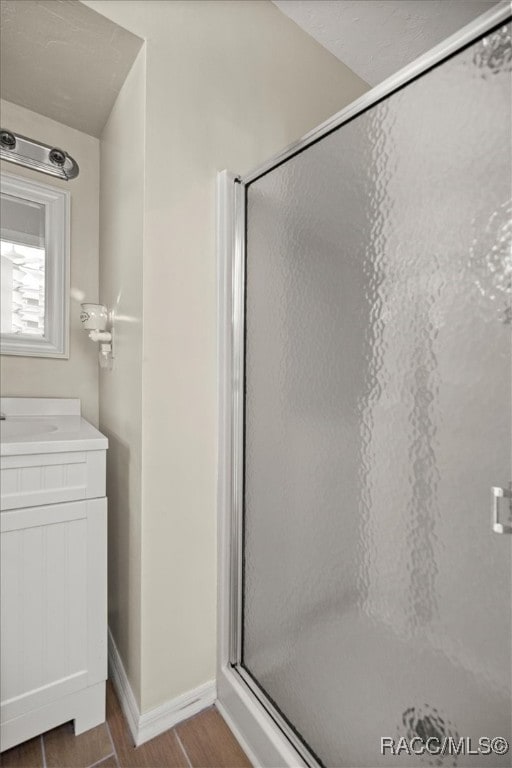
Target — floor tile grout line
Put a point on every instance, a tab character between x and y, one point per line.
182	748
101	760
112	742
43	750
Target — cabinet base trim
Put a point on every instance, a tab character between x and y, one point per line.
35	699
85	707
146	726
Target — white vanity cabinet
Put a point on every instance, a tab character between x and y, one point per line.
53	569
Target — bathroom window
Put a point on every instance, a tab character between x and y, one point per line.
34	232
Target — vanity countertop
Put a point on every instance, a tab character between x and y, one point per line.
46	425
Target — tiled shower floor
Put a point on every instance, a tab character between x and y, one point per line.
204	741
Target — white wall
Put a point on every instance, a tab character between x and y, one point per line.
121	247
77	376
228	84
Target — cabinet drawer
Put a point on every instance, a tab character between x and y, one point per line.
36	479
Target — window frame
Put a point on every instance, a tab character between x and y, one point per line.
55	341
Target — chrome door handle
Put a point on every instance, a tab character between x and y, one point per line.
497	494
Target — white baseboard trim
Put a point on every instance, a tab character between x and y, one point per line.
171	713
146	726
117	674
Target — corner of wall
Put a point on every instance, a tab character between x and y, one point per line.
122	159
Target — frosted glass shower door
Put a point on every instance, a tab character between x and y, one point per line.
376	596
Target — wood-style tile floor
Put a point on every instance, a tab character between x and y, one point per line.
204	741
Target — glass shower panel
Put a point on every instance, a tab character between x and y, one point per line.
376	596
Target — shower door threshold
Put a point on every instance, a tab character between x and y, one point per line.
264	734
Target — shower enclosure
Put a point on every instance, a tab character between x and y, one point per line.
366	426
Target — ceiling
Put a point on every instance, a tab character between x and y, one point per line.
63	60
376	38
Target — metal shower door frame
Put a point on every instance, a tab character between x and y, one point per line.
263	731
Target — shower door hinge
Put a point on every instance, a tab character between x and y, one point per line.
497	494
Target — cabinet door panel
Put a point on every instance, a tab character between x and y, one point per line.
48	585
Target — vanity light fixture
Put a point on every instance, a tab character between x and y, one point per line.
34	154
94	318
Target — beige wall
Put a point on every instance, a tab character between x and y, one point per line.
77	376
121	248
228	84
